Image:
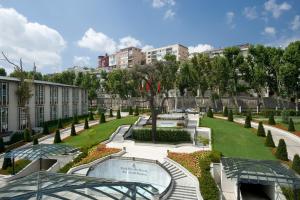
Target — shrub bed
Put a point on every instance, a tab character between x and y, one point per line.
19	165
170	135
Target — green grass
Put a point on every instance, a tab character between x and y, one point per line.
98	133
233	140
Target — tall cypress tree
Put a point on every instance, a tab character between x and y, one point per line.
230	116
247	122
73	130
281	152
260	130
57	138
2	146
296	163
45	129
269	140
291	126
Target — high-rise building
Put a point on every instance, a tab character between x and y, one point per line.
181	52
129	57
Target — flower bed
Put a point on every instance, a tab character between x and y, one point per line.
198	163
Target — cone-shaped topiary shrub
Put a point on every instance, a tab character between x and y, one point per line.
57	138
6	163
296	163
27	137
250	115
225	112
75	119
291	126
73	130
136	111
271	119
210	113
45	129
86	124
59	124
269	140
281	152
260	130
230	116
102	118
35	141
111	113
130	110
91	116
2	146
119	114
247	122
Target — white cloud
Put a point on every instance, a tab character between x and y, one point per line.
81	61
284	41
276	9
162	3
269	31
97	41
147	47
31	41
230	18
295	25
250	12
200	48
169	14
129	41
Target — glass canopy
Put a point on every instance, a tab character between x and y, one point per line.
46	185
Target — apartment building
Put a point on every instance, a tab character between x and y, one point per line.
181	52
50	101
129	57
219	52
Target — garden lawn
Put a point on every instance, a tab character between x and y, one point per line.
98	133
233	140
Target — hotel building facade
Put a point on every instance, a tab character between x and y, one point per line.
49	101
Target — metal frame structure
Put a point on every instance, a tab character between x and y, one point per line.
264	172
46	185
38	151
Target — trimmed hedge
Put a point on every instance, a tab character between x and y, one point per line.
281	152
291	126
73	130
225	112
130	111
86	124
102	119
2	146
136	111
269	140
247	122
296	163
210	113
57	138
119	114
69	165
230	116
27	136
35	141
162	135
260	130
45	129
271	119
208	186
111	113
91	116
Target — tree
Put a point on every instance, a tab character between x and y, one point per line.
111	113
59	124
23	91
45	129
136	111
260	130
119	114
247	122
86	124
210	113
2	72
130	110
291	126
102	118
2	146
57	138
35	141
91	116
271	119
296	163
225	112
73	130
269	140
27	136
230	116
6	163
281	152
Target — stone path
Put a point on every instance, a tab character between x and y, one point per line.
292	141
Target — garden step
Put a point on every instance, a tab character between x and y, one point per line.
179	176
184	189
184	195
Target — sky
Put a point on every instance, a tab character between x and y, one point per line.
59	34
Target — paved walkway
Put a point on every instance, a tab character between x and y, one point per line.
292	141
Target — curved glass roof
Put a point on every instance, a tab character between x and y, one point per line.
260	172
46	185
39	151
